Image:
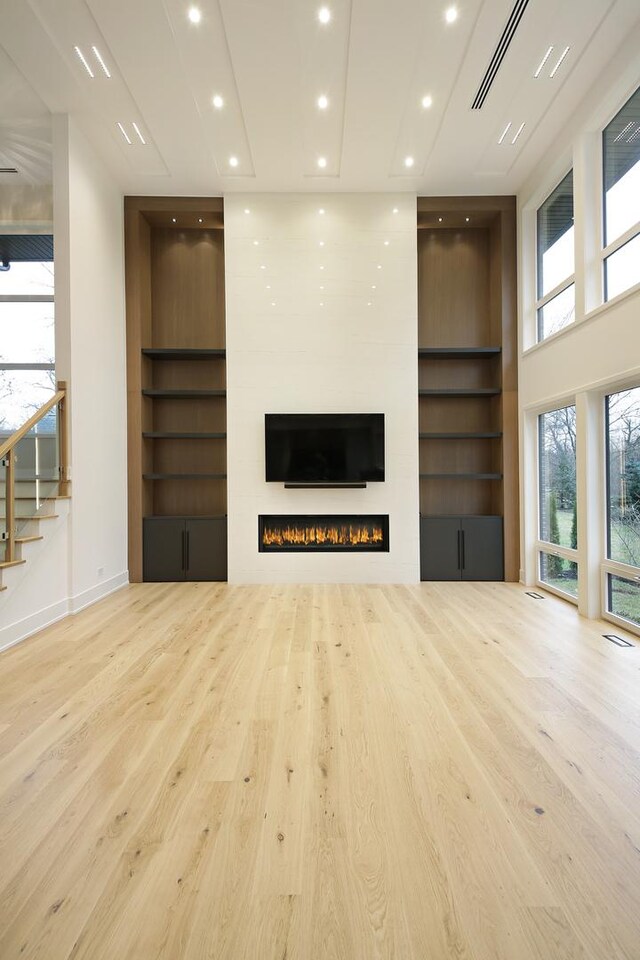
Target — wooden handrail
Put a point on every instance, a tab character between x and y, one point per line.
7	454
31	422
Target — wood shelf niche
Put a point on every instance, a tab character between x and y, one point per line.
467	365
176	368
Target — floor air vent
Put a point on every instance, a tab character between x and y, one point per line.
619	641
534	596
499	53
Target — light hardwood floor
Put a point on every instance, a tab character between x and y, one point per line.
305	773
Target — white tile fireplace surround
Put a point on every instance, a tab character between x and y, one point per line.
321	304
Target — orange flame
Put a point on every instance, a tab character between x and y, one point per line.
347	535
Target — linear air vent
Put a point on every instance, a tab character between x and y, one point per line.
8	170
499	53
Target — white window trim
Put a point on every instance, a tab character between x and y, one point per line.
617	569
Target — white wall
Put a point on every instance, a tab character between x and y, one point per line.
287	353
84	555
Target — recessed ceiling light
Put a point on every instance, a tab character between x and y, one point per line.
323	102
395	210
369	303
542	63
173	220
322	268
321	243
321	304
409	161
246	210
467	219
218	101
137	130
562	56
324	15
273	303
427	101
505	132
194	15
263	266
386	243
84	62
124	133
379	266
520	129
321	211
96	54
256	242
322	162
451	14
233	161
439	219
199	219
373	286
322	286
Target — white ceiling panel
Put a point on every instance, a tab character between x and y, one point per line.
270	60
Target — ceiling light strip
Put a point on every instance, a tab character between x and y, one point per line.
137	130
520	129
562	56
499	53
84	62
505	132
98	57
124	133
542	62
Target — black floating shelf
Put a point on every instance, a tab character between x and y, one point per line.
184	476
184	436
461	476
170	353
459	353
478	392
459	436
182	394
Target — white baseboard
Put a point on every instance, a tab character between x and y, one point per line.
35	622
101	590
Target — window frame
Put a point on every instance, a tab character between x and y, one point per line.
631	233
607	565
27	298
545	546
542	301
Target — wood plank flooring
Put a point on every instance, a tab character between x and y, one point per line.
436	772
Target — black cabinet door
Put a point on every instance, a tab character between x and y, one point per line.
164	543
206	555
482	552
440	542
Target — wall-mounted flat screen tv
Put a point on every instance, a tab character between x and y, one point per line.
324	447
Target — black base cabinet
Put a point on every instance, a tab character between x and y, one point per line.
461	548
184	548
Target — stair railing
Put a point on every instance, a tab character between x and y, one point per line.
8	459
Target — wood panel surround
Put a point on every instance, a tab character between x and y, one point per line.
467	361
335	772
175	343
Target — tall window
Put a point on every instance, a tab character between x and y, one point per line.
557	504
556	260
27	344
623	505
621	167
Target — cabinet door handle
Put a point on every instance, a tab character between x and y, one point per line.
462	539
186	566
459	552
184	550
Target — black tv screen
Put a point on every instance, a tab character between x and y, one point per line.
324	447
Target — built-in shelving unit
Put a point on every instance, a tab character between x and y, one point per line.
177	388
467	386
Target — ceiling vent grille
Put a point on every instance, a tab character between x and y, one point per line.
499	53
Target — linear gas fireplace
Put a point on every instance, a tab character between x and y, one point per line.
322	532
